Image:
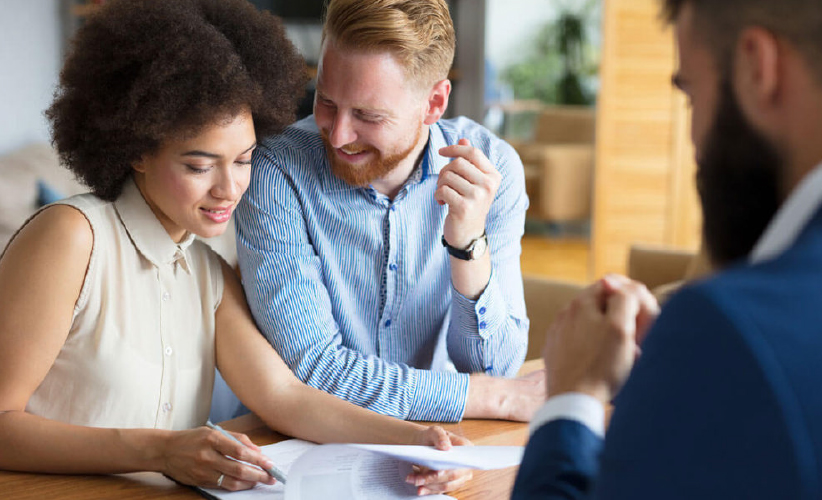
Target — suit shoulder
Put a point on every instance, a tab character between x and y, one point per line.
767	289
766	310
722	298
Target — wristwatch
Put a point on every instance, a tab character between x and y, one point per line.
473	251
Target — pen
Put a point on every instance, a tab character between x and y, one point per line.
273	471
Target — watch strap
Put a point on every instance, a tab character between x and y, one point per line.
460	253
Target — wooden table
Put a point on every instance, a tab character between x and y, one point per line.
486	485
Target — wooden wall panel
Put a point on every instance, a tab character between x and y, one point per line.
686	212
643	188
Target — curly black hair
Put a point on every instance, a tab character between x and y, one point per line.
141	71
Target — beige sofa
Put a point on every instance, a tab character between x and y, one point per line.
20	172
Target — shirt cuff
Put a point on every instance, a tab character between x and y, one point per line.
439	396
481	317
576	406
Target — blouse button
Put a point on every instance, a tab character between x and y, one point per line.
166	296
169	351
167	407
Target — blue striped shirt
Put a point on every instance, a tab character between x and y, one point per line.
354	289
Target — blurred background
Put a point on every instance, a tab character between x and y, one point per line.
581	88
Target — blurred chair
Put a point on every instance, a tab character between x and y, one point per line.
663	270
656	266
544	298
559	163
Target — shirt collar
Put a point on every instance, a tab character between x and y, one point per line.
433	159
431	164
791	218
147	233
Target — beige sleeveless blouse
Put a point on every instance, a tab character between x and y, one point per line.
140	352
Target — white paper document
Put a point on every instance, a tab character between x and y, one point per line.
283	454
458	457
363	472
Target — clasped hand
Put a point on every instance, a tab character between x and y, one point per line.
467	185
592	345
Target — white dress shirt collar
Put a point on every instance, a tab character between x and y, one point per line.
791	218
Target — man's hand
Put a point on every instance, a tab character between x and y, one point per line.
505	399
592	345
467	185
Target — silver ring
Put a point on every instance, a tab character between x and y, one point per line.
220	481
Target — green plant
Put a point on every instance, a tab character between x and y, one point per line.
562	65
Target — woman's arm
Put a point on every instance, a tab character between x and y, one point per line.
265	384
41	275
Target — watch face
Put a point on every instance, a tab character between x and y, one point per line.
478	248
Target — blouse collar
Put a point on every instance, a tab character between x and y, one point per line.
147	233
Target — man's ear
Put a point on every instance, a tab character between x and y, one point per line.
437	101
758	74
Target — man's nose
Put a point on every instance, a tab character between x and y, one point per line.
342	131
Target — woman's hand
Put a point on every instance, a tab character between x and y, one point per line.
199	457
429	481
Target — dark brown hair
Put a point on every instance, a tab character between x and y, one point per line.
721	22
141	71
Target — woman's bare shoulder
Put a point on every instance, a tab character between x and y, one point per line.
59	237
58	225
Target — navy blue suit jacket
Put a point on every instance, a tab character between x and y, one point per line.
724	403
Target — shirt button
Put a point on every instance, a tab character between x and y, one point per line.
482	325
169	350
482	310
388	323
392	267
166	296
167	407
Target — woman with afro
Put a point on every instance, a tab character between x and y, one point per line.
114	316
